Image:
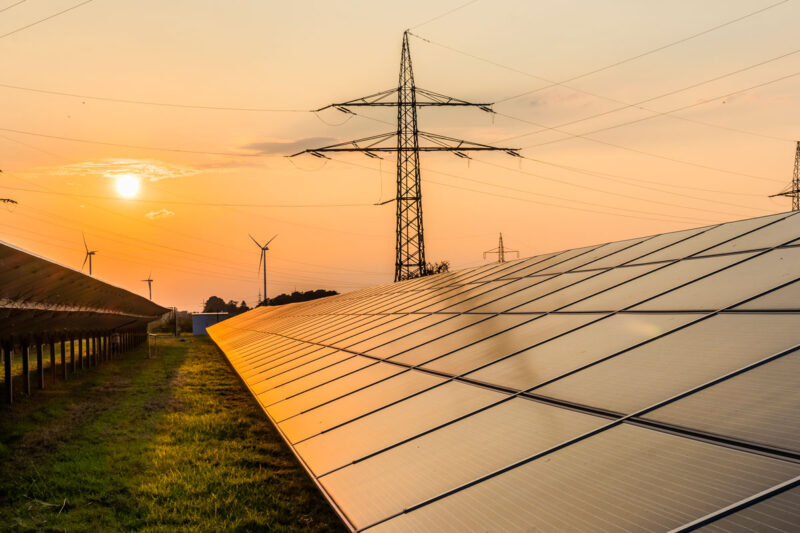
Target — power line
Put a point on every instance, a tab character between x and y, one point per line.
152	103
165	265
176	202
611	178
627	105
442	15
671	112
589	172
172	248
12	5
649	52
606	143
595	189
76	6
636	181
171	266
674	218
572	208
675	110
271	219
137	147
629	178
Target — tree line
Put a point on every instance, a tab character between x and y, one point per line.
215	304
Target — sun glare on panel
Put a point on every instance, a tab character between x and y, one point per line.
127	185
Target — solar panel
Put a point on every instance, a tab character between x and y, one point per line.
646	384
40	296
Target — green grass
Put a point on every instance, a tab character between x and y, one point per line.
173	443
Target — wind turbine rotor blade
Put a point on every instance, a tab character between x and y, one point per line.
254	240
84	242
86	258
260	261
269	241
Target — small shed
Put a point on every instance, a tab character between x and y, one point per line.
200	321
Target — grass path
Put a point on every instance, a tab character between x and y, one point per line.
173	443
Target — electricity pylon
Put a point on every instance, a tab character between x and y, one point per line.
410	241
149	282
262	260
794	189
501	251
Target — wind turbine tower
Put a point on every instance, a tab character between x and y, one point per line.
501	251
262	261
89	254
149	282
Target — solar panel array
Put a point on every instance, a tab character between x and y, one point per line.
647	384
39	296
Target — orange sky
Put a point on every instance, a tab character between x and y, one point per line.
303	55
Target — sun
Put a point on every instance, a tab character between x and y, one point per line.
127	185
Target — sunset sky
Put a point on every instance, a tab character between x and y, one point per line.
702	131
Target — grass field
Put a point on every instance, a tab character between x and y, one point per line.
173	443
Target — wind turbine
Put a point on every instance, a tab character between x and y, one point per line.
263	260
149	282
89	254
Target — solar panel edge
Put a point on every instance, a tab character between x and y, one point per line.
300	460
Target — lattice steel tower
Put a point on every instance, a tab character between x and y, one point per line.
410	241
794	189
501	251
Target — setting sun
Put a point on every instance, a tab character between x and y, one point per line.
127	185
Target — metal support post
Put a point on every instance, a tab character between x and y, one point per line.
53	371
39	364
63	358
8	357
26	377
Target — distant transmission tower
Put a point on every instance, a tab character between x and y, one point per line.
794	189
501	251
410	242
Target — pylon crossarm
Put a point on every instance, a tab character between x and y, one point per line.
785	193
424	98
430	98
380	143
449	143
365	144
376	99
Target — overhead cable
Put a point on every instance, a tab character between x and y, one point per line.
50	17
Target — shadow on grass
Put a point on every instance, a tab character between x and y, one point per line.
167	444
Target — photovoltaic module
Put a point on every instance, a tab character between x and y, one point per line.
643	385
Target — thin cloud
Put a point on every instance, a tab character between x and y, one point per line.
561	97
163	213
148	169
288	147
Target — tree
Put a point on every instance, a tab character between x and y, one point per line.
296	296
215	304
431	269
